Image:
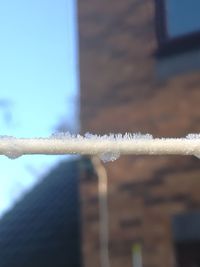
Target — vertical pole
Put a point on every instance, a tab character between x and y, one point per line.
137	255
103	211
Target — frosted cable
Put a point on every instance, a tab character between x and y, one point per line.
107	147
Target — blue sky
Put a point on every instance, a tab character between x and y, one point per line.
183	17
38	83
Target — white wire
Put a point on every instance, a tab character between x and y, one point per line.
95	145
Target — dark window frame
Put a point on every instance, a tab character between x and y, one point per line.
167	45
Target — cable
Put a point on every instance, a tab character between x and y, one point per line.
109	147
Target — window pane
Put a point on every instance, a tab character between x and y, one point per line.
183	17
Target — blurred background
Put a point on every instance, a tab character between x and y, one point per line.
38	84
100	67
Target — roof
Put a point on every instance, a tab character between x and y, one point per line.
43	229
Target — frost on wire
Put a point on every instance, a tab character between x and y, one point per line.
107	147
107	155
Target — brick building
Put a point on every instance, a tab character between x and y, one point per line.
139	72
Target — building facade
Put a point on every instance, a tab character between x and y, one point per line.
140	72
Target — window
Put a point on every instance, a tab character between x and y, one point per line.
182	17
186	233
178	25
187	254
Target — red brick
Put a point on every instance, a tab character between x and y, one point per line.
120	92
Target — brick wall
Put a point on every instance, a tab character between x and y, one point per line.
121	92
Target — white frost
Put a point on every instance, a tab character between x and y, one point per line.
107	147
13	151
109	156
13	154
193	136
